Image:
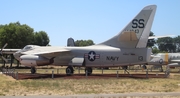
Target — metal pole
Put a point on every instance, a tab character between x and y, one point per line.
102	70
147	73
57	71
151	69
13	72
86	74
117	74
156	74
4	63
2	70
52	74
6	70
16	75
79	70
11	60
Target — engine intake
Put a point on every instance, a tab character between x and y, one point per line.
35	60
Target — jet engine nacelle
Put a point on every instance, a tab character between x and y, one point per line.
34	60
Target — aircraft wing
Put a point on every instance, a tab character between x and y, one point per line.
155	37
49	53
176	61
10	51
174	65
155	56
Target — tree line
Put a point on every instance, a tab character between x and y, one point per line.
18	35
166	44
84	42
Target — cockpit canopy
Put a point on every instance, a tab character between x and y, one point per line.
29	47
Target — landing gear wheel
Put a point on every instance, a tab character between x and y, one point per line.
33	70
88	70
69	70
125	67
144	66
161	70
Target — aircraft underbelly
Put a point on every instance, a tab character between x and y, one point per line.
62	60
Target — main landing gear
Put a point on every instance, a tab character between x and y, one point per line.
125	69
69	70
88	70
33	70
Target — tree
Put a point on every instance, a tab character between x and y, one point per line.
155	50
41	38
177	43
166	44
84	42
18	35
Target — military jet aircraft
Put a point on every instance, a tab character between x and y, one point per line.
170	59
70	42
128	47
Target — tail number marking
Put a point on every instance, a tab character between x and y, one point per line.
138	23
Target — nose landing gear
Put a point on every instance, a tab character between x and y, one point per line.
88	70
69	70
33	70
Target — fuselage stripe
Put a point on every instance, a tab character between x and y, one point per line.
166	58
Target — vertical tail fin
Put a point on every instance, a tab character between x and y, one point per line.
70	42
136	33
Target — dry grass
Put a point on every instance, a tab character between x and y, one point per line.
9	86
62	86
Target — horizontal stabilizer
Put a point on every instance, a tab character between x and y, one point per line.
154	37
174	65
175	61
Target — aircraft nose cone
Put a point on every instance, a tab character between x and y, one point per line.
17	55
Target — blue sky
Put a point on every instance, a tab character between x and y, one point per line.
88	19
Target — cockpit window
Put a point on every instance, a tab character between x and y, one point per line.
29	47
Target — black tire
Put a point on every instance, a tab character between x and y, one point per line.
144	66
125	67
88	70
161	70
33	70
69	70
